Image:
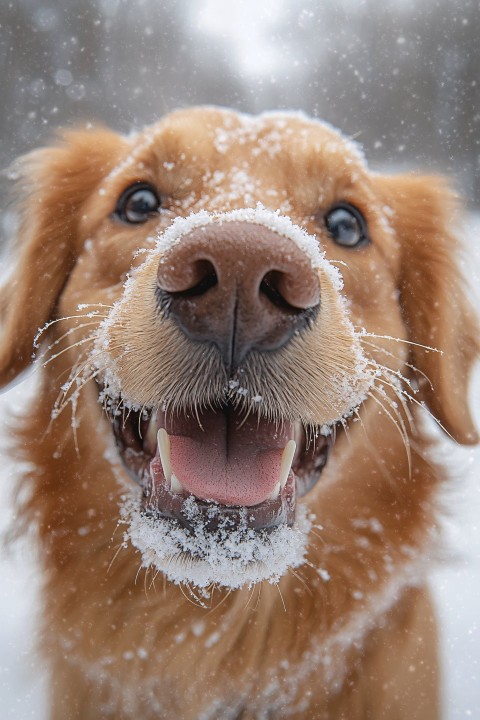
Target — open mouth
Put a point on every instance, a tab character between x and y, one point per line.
236	467
217	490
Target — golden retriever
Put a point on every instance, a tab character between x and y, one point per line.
237	326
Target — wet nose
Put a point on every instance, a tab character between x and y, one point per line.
239	285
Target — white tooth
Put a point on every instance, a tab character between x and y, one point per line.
276	492
175	485
287	459
164	451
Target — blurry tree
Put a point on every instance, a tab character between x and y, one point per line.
123	63
51	56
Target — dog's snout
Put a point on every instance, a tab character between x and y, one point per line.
239	285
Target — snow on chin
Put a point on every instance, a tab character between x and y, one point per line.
229	557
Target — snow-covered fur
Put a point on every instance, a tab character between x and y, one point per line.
345	630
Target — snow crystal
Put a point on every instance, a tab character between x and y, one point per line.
198	628
63	77
372	524
230	557
212	640
324	574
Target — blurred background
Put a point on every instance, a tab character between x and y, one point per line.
401	76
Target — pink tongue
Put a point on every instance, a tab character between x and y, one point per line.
229	460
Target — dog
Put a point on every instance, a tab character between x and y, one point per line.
239	330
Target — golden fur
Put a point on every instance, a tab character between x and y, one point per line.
351	633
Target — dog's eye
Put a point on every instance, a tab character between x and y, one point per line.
137	203
346	226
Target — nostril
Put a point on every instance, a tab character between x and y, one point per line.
187	278
291	291
205	276
270	287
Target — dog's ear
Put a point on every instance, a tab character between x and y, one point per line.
52	184
434	299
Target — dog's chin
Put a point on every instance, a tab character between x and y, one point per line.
217	492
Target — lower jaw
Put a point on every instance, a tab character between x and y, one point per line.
158	502
201	557
201	543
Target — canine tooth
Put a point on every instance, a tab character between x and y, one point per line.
164	451
287	459
175	485
276	492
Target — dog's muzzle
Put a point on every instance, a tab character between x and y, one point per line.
228	364
239	287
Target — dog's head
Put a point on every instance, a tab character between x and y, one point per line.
245	299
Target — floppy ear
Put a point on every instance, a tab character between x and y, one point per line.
53	183
433	296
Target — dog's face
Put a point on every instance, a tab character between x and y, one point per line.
236	368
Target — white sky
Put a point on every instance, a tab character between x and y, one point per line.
247	26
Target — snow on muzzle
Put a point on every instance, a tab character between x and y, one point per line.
212	430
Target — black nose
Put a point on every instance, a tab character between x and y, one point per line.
240	286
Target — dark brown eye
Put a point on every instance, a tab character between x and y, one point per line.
137	204
346	226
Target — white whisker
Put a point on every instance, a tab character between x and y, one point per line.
49	324
79	343
399	424
388	353
69	332
389	382
363	333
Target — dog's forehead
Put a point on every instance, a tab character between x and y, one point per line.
218	159
222	134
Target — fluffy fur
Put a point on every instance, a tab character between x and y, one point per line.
351	633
